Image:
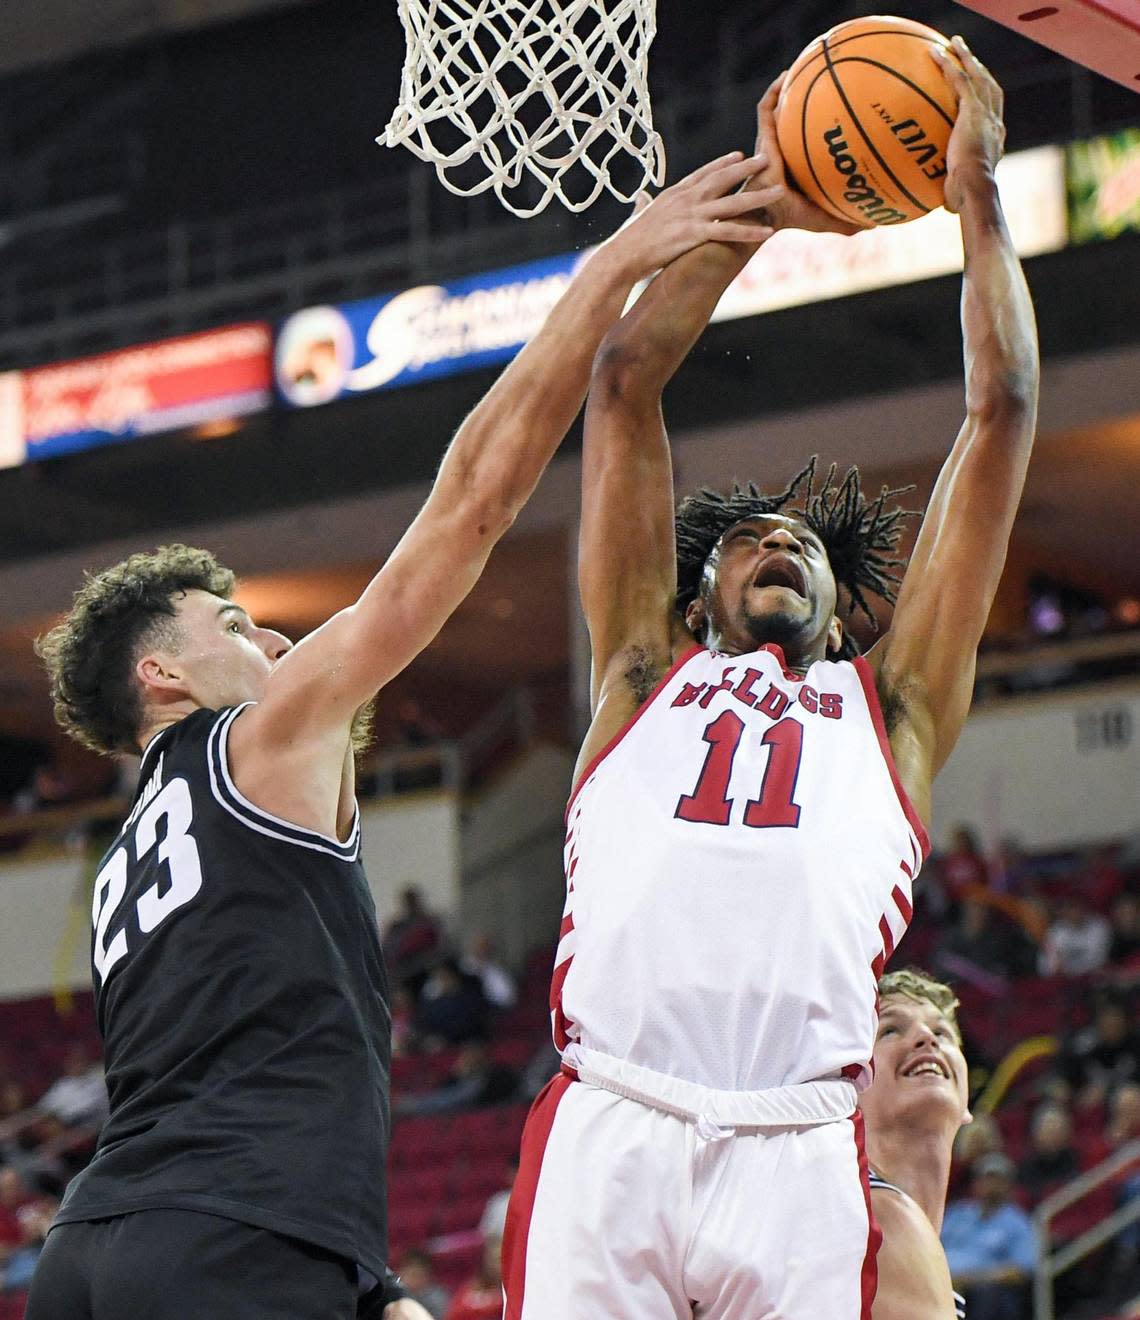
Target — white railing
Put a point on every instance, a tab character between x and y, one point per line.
1053	1262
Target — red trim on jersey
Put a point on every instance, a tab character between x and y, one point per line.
869	1275
535	1136
871	692
903	904
560	1023
674	669
566	927
888	938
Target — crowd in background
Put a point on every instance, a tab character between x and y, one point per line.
1007	929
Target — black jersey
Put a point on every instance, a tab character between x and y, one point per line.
243	1003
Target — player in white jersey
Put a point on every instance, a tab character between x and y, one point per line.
749	815
912	1111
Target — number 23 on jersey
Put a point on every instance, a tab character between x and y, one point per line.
176	850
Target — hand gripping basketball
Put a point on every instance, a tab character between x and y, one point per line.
793	210
978	137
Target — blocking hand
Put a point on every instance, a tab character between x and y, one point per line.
704	207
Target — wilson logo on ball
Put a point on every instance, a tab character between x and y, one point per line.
856	188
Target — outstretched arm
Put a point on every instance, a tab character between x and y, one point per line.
627	559
489	471
926	664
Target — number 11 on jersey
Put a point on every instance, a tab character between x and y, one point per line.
774	806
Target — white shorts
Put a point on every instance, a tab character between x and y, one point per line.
627	1212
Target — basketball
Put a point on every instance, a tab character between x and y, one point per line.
864	118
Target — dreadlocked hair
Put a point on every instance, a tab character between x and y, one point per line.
859	535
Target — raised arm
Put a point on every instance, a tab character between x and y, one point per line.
489	471
627	557
627	571
925	666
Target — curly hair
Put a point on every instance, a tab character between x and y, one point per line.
923	989
90	656
859	535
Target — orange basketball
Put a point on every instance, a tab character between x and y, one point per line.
864	118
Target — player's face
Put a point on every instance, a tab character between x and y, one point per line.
769	580
920	1070
225	658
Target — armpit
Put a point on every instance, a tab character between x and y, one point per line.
643	671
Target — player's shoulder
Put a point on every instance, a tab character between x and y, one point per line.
914	1278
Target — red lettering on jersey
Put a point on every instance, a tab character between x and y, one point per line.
809	699
743	690
688	694
773	703
831	705
723	686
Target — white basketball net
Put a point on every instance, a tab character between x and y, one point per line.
494	91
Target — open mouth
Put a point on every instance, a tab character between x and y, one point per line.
781	570
927	1065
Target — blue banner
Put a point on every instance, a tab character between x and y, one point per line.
433	330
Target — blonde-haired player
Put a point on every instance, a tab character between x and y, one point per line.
911	1113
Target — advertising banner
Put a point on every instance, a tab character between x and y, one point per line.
139	391
1104	186
797	267
433	330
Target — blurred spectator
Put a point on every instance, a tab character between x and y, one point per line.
1077	942
404	1038
48	787
417	1274
963	868
1101	877
412	939
13	1098
479	961
35	1219
1102	1055
540	1068
1011	871
1124	1115
79	1098
416	728
481	1298
984	947
452	1008
990	1244
978	1138
14	1195
1125	922
477	1080
1051	1159
494	1217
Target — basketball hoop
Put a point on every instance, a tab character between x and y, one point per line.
535	99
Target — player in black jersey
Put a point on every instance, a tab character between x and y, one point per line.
912	1111
239	983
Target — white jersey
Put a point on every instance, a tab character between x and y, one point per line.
739	863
